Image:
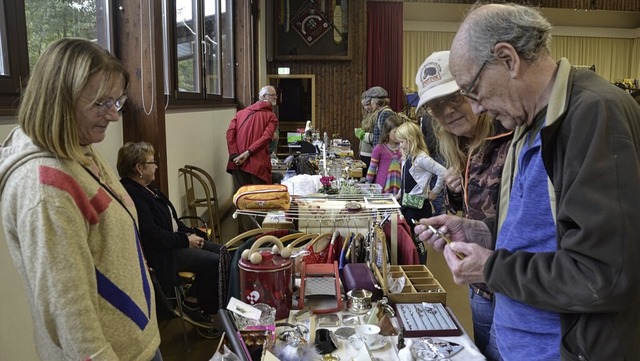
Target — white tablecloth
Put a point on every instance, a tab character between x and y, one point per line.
389	352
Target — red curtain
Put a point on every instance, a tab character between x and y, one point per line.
384	49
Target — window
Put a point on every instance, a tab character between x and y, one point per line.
4	54
227	53
27	27
50	20
13	53
201	48
198	43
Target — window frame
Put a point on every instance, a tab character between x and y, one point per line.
16	33
201	98
11	85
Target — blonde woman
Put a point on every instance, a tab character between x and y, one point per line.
474	148
418	168
69	224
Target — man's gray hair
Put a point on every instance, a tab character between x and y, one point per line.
525	28
265	90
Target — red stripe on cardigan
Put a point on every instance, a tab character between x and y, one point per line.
90	208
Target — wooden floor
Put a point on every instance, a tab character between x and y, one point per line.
174	348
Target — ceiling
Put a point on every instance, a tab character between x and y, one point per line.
558	17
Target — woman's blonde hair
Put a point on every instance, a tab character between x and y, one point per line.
455	149
410	133
130	154
59	77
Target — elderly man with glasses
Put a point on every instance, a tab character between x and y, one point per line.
565	270
474	148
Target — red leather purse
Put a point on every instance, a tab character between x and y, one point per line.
318	249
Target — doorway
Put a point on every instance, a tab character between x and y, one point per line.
296	103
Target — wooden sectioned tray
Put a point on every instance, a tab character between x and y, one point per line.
420	284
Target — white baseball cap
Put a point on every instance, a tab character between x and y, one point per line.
434	78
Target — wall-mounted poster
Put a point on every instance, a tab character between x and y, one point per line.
311	29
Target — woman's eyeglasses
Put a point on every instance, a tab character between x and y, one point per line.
106	105
152	162
436	108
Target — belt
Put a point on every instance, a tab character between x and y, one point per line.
482	293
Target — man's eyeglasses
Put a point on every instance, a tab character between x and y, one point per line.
152	162
271	94
106	105
470	91
436	108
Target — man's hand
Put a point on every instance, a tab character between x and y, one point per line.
456	228
471	268
469	238
359	132
239	160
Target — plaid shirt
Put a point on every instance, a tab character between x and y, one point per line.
377	127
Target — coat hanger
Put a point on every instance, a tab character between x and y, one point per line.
321	242
290	237
231	244
303	239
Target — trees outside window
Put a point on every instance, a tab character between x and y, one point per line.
201	49
198	44
27	27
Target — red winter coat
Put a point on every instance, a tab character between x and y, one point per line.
252	128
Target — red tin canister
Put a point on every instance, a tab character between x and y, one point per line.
265	276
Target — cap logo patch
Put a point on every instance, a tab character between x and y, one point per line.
430	73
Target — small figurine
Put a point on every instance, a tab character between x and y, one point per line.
401	339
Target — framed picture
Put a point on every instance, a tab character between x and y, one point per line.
311	29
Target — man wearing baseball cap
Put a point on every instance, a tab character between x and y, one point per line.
474	147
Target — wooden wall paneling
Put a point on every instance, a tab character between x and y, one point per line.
138	43
339	83
244	24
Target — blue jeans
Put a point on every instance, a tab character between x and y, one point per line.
482	316
492	353
438	203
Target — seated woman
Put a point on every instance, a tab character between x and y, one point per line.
167	243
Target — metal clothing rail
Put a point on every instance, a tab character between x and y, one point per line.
338	212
